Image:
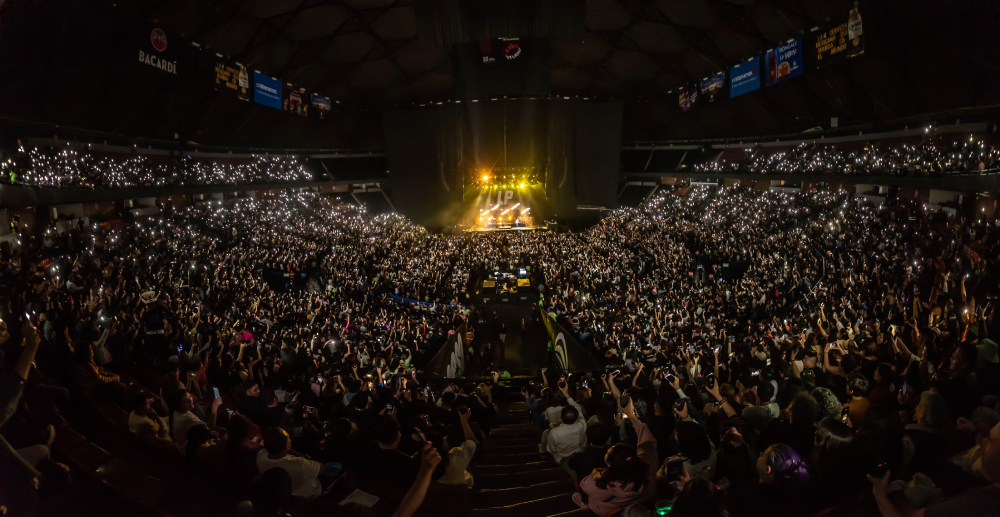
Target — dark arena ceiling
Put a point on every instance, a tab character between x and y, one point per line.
69	63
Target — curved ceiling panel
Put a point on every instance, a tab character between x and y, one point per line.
349	48
412	58
231	38
696	14
775	25
374	74
268	8
590	51
396	23
657	38
271	58
631	66
316	22
736	45
607	15
368	4
183	17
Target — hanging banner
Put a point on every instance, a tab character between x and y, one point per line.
712	86
295	100
232	77
841	40
501	50
831	45
320	105
266	90
688	98
855	34
157	50
784	62
744	77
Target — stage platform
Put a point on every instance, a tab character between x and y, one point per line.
519	229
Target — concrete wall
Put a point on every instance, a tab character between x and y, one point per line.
943	196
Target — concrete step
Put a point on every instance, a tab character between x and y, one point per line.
515	469
512	496
579	512
520	479
501	449
515	431
506	442
510	459
543	507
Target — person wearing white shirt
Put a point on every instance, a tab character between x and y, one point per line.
182	419
305	473
457	473
570	436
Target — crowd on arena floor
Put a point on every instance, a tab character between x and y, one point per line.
765	353
927	158
67	168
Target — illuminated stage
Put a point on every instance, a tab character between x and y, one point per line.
507	229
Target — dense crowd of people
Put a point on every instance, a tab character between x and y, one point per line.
67	168
765	353
927	158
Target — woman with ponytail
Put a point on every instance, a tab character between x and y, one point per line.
630	476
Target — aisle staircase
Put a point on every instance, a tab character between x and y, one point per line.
514	479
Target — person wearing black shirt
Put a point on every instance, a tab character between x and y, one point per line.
383	459
250	403
591	457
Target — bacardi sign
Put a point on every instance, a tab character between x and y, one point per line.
156	54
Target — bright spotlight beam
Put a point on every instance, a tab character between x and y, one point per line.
525	210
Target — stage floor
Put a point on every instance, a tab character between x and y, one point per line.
523	228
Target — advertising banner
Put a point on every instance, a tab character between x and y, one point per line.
688	98
232	77
449	362
295	100
784	62
320	105
500	50
842	39
712	86
856	45
744	77
567	354
157	50
266	90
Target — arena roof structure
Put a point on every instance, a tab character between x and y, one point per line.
70	63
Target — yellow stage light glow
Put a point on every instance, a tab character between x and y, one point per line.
486	177
522	185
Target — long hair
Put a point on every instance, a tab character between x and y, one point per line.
693	442
172	404
788	467
607	409
832	434
624	467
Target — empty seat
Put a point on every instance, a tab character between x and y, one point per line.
67	440
88	457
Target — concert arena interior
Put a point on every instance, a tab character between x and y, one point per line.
499	258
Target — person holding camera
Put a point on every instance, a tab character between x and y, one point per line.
570	436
